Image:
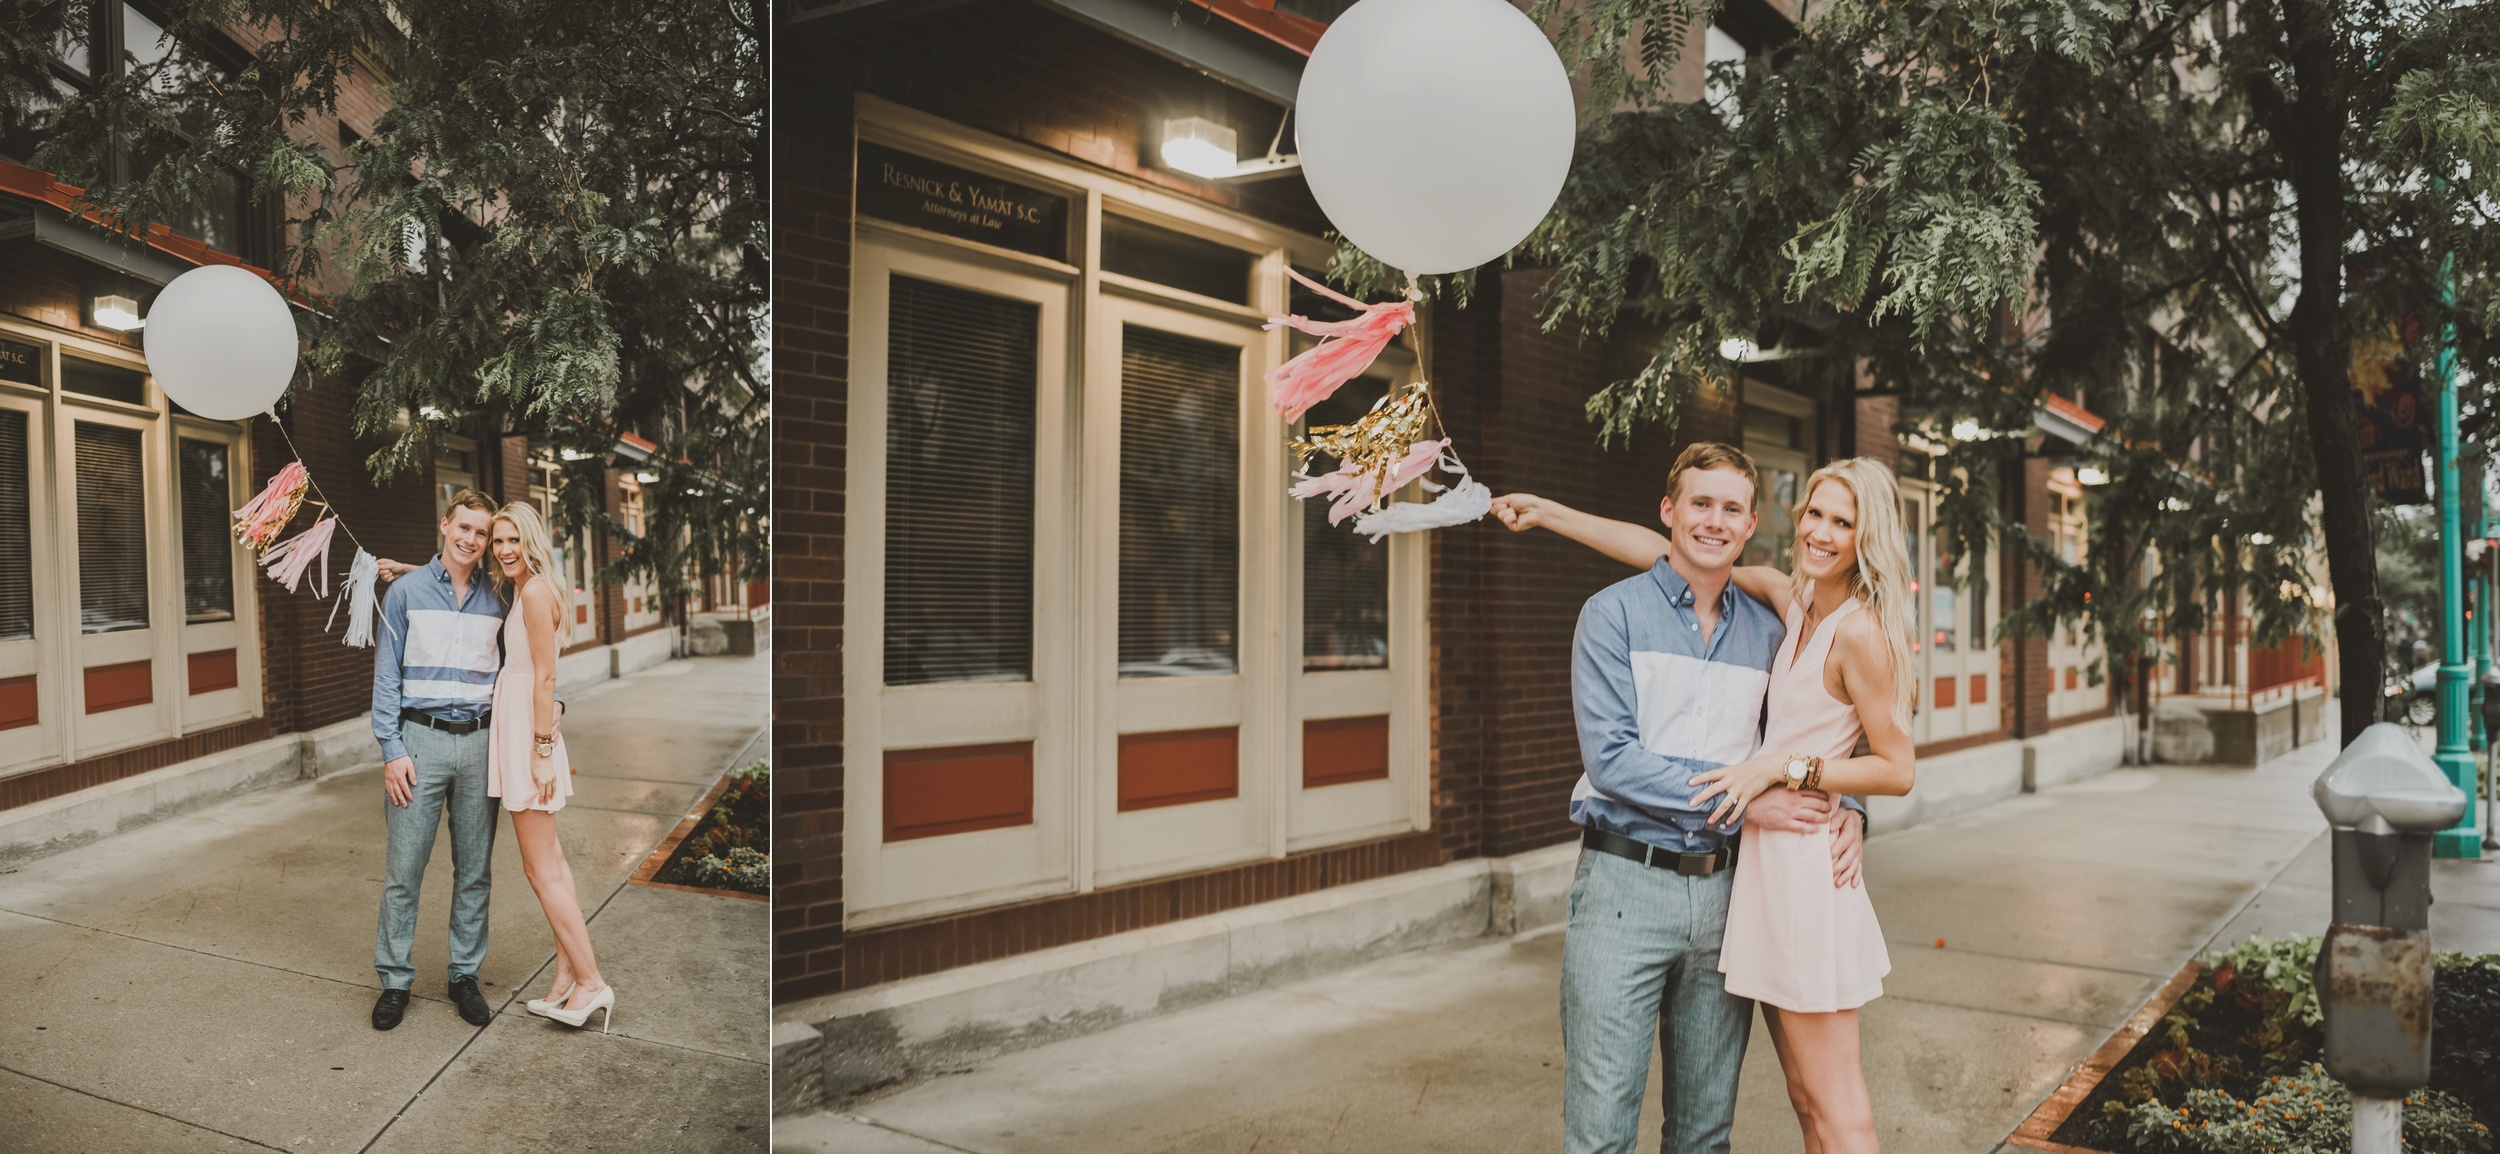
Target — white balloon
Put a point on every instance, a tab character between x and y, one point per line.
1434	133
221	342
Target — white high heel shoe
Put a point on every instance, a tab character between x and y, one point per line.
603	1003
539	1006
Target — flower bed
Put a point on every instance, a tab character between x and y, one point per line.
2232	1066
730	847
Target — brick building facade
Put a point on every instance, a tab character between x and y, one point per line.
1061	102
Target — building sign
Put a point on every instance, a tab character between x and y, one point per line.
21	363
942	198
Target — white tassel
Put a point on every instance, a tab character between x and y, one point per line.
357	593
1458	504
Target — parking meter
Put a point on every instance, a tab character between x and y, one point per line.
2385	798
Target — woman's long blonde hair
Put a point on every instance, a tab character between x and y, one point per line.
1881	578
538	547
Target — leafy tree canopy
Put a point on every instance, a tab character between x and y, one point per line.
557	228
2153	208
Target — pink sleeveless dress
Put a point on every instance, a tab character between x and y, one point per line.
1793	940
509	740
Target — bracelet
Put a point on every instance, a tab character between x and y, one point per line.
1814	772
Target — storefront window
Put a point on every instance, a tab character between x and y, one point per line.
17	546
1345	578
1135	248
961	385
112	530
1180	505
207	554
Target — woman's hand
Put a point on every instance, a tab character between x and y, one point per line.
543	775
1737	785
390	570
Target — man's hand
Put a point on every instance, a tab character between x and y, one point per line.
1520	511
1848	849
399	780
1790	810
389	570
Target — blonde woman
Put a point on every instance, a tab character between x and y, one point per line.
526	764
1799	940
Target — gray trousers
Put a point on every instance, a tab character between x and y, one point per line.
1641	965
451	779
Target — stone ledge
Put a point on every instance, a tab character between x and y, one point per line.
2075	752
827	1049
1952	783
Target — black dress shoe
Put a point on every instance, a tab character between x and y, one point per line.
473	1008
388	1008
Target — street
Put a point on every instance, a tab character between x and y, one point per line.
2021	935
204	983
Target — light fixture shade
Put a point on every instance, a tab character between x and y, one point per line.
2091	476
647	477
1737	349
1966	430
1200	147
117	312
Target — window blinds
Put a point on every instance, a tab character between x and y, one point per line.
112	530
1180	520
17	542
207	554
1345	578
961	382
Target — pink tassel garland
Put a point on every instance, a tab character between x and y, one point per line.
262	518
1346	348
287	562
1356	491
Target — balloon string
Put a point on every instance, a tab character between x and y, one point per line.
318	495
1418	345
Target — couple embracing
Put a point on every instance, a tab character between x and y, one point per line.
1715	700
464	705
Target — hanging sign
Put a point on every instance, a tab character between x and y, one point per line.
958	202
2388	417
21	363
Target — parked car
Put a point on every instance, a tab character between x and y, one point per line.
2414	700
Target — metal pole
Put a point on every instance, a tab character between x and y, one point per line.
2454	758
2483	643
2377	1124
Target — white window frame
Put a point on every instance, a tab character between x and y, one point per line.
2070	520
60	653
1975	653
1077	706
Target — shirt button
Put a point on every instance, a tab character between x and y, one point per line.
1694	626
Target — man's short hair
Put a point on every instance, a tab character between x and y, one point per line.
470	499
1713	455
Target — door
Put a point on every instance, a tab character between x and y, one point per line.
959	644
1185	717
121	688
33	685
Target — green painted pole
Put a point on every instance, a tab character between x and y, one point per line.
2454	757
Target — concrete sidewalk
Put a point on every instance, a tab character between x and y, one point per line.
2022	935
204	983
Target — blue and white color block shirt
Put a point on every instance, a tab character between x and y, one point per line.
436	652
1656	704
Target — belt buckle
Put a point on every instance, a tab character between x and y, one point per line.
1697	865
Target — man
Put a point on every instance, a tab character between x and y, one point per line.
1668	674
433	684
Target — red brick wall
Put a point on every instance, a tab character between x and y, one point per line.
2027	658
811	339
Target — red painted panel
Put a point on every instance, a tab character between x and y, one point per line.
957	789
1178	767
17	702
1944	693
111	687
2070	677
1344	749
212	671
1979	689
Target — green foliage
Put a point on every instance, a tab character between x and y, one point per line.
2303	1113
731	848
2465	1031
557	229
1977	206
2288	966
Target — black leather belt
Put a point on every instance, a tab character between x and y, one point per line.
1693	865
454	728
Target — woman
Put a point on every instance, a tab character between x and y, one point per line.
526	764
1803	945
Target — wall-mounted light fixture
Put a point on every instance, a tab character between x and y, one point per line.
2090	475
1204	148
647	477
116	312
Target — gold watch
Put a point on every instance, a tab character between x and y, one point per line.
1802	770
546	744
